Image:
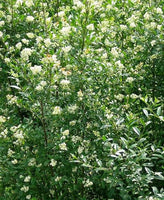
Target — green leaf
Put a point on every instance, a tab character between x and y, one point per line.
141	140
101	169
147	123
159	176
16	87
159	111
148	170
146	112
75	161
119	121
155	190
136	130
104	138
86	165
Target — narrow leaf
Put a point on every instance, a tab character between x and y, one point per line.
159	111
146	112
136	130
16	87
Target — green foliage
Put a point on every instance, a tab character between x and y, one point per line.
81	100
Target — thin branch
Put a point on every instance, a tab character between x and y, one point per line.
43	123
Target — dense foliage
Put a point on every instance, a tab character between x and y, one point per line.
81	99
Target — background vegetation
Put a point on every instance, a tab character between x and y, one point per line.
81	99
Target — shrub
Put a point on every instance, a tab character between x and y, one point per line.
81	107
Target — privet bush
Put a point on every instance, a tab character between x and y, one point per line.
81	105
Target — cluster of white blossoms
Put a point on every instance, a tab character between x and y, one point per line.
90	27
72	108
78	4
65	133
80	95
66	30
25	41
119	97
61	14
51	59
66	49
58	178
14	162
28	3
29	18
36	69
47	42
27	179
18	45
119	64
57	110
30	35
2	23
76	139
25	53
80	149
41	85
32	162
134	96
87	183
2	119
63	146
19	134
25	188
72	123
28	196
64	82
10	152
132	21
52	192
104	25
11	99
53	162
130	79
115	52
1	34
123	27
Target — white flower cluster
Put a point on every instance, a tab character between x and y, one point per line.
2	119
41	85
63	146
10	152
25	188
27	179
87	183
72	108
30	19
25	53
64	82
19	134
119	97
2	23
53	162
66	49
90	27
65	31
14	162
30	35
11	99
36	69
1	34
18	45
32	162
57	110
65	133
